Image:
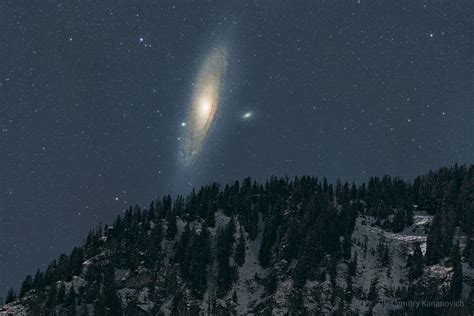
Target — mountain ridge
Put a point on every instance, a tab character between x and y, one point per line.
387	247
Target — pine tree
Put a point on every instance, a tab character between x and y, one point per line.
353	265
456	281
153	249
294	241
333	271
398	221
200	259
75	261
415	263
346	247
38	280
151	211
181	253
26	285
439	240
349	291
373	294
433	251
268	240
239	256
296	302
271	283
365	246
70	299
409	216
172	228
11	296
301	272
382	252
340	309
99	305
211	214
470	253
226	273
111	300
61	294
386	256
51	298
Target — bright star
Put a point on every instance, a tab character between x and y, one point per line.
183	124
141	39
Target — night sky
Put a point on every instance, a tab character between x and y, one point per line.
94	94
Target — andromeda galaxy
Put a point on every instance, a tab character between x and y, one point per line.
204	104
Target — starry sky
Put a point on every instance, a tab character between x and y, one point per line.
94	94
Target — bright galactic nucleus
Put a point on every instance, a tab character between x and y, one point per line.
204	103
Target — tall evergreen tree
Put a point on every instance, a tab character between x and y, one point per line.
353	265
456	281
409	216
200	260
181	254
172	228
70	299
399	221
333	271
38	280
51	297
294	241
26	285
211	214
373	295
415	263
239	256
226	273
11	296
386	256
346	247
61	294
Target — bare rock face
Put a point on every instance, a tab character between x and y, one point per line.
138	280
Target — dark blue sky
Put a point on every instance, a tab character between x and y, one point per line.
90	114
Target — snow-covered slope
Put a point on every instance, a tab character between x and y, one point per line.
143	293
